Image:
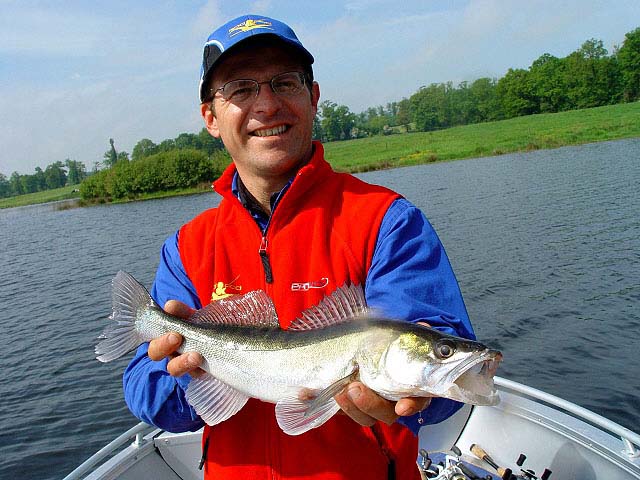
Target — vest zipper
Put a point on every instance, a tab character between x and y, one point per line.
264	256
205	450
391	464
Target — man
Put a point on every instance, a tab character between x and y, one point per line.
291	226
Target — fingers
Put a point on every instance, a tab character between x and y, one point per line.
188	362
167	345
365	406
164	346
406	407
179	309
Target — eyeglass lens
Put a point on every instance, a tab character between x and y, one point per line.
288	83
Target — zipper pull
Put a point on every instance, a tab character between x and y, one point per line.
268	274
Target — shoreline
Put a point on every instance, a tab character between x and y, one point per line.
77	202
520	134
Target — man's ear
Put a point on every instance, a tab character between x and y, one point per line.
210	120
315	96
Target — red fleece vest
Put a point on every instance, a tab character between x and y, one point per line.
321	235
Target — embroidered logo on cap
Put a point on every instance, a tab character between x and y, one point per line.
249	25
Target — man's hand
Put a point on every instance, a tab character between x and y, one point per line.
166	346
366	407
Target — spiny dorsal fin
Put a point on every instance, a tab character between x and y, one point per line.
344	304
254	309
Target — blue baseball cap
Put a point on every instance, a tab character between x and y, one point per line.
232	33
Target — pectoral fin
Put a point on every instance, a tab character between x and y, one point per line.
296	416
213	400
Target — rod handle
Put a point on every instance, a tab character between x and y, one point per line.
479	452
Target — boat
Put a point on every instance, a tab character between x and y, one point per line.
528	435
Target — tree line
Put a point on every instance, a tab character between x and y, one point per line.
56	175
587	77
107	176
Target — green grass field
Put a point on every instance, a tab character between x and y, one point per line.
54	195
494	138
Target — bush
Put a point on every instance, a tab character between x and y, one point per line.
164	171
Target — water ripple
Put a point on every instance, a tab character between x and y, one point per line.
546	247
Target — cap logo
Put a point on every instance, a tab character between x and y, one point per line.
249	25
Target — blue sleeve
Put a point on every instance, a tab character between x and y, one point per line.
411	279
172	282
151	393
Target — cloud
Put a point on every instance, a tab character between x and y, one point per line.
207	17
386	54
76	75
261	6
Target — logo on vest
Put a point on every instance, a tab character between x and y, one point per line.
220	290
304	286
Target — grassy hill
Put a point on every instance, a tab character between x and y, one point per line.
46	196
484	139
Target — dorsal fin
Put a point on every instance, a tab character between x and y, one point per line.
344	304
253	308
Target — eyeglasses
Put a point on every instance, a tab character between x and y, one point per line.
288	84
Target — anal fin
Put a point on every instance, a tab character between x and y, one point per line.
296	416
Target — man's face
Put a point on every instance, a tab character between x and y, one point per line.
270	135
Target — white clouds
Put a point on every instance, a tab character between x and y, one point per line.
97	78
261	7
207	17
387	57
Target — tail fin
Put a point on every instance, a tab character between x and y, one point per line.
121	337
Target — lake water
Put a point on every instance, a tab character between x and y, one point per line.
546	247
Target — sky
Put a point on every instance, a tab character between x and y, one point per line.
74	74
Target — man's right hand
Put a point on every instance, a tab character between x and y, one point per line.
167	345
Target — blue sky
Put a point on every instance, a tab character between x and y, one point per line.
75	73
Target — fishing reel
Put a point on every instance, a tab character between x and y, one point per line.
450	466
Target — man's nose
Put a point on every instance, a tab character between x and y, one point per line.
266	100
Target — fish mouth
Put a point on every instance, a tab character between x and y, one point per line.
472	381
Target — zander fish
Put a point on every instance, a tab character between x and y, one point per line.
246	354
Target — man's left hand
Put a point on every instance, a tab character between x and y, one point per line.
367	407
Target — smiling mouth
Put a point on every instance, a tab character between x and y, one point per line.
268	132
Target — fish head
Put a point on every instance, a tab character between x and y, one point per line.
425	362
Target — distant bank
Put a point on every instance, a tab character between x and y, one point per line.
531	132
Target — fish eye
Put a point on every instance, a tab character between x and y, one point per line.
444	349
